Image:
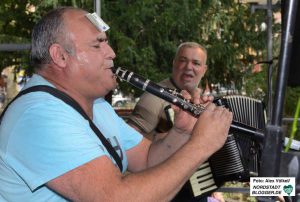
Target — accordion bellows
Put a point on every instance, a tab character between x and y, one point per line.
238	159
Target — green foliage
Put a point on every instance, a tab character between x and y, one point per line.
145	35
253	83
15	27
291	98
17	19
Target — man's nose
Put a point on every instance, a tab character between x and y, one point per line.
109	52
189	65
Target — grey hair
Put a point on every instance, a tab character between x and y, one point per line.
190	45
49	30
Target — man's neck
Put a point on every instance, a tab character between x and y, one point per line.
174	84
62	85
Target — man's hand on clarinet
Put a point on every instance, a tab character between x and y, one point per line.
184	122
211	129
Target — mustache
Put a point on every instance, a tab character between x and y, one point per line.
109	64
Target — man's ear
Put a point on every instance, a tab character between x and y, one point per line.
173	62
58	55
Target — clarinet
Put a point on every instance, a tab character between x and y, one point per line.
174	97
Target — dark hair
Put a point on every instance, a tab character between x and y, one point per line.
49	30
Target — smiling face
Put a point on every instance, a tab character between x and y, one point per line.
189	66
89	65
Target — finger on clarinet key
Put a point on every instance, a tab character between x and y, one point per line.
207	96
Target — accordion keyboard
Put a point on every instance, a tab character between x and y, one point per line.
202	180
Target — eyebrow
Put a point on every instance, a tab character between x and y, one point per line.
101	39
195	60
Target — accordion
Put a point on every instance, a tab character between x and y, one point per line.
238	159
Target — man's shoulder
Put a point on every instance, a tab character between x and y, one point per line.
149	100
166	83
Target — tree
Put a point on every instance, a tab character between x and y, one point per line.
17	19
145	34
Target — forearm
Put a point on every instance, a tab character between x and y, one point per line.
161	149
167	178
100	180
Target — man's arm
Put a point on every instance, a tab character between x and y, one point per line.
100	180
146	115
165	144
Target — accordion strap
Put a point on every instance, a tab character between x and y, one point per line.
70	101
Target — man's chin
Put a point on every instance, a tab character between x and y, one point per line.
189	86
115	84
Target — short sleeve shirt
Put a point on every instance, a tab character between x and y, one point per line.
151	113
42	138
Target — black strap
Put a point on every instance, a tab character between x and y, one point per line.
70	101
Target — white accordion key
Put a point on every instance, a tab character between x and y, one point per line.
202	180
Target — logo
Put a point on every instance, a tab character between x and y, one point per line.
272	186
288	189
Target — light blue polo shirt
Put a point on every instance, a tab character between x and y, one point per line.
42	138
